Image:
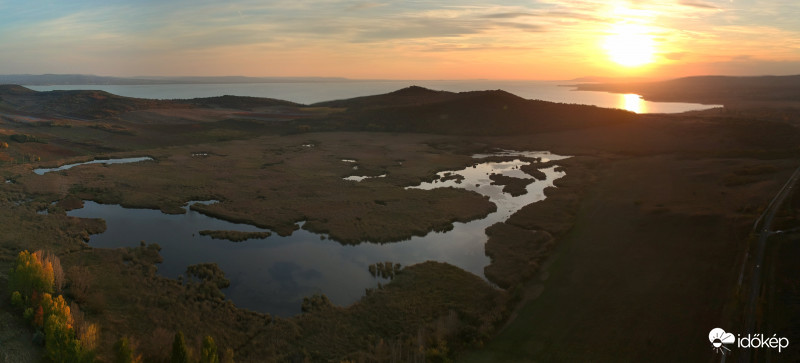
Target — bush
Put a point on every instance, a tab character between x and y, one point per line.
123	352
209	352
21	138
16	300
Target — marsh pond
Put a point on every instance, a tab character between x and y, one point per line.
273	274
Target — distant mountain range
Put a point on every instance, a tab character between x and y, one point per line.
82	79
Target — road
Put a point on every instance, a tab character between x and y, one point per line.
756	275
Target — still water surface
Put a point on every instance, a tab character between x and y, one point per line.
42	171
311	92
274	274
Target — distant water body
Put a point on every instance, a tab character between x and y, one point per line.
311	92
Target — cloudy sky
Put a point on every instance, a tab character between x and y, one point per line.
534	39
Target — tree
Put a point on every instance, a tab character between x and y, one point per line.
209	352
58	339
228	357
123	352
88	336
316	302
29	275
180	353
49	259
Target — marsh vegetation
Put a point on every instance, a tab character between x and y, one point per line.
652	179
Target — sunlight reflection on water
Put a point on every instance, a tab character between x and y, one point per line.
632	102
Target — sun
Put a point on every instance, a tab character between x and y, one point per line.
630	45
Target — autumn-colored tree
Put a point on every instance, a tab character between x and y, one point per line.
60	345
124	352
180	354
33	279
48	258
88	336
29	275
208	354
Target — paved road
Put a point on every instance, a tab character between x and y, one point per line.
764	233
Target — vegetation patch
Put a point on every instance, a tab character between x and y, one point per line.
23	138
235	236
511	185
516	253
385	270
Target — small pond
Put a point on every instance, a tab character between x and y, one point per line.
273	274
42	171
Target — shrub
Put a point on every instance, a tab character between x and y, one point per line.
88	336
80	283
16	300
180	353
208	354
21	138
28	314
157	345
123	352
228	357
209	272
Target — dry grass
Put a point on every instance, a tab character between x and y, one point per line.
275	182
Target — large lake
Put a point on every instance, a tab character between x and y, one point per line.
274	274
311	92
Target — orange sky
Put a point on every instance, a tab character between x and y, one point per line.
542	39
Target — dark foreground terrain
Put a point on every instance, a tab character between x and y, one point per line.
634	256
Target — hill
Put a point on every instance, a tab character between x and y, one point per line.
409	96
73	104
91	104
238	102
417	109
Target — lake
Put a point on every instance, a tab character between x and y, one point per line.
273	274
311	92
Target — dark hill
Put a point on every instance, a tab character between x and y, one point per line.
409	96
75	104
100	104
14	90
238	102
467	113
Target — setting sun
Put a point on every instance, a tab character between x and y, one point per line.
630	45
